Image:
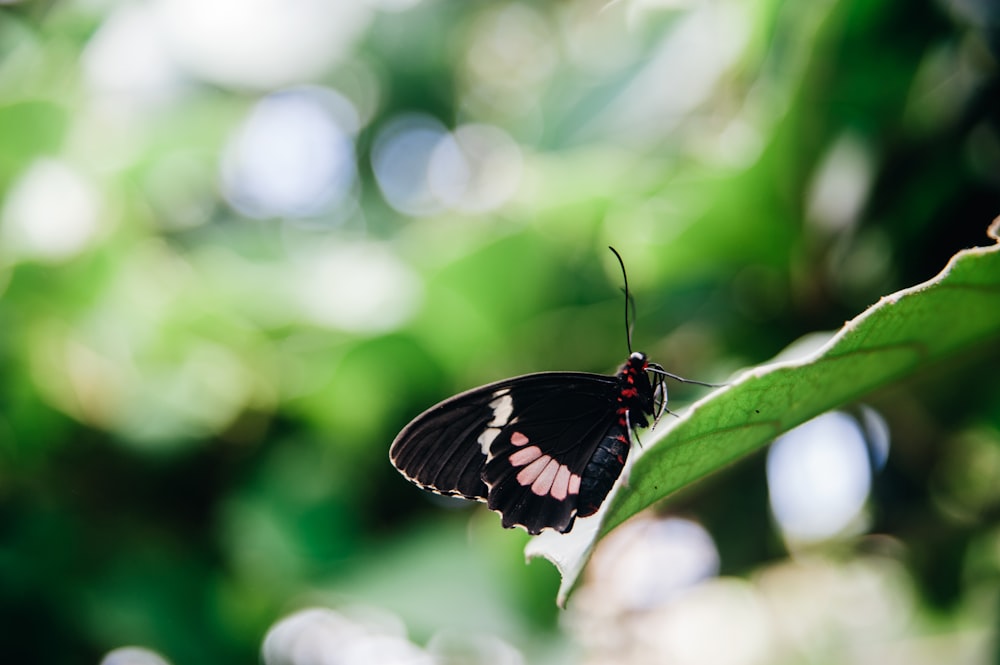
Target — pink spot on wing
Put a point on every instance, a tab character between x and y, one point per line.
560	486
525	455
574	484
518	439
543	483
529	474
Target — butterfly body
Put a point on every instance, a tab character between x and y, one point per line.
540	449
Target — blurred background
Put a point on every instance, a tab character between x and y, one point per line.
242	243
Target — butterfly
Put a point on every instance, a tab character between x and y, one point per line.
540	449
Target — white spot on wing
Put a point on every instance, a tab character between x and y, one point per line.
502	406
486	438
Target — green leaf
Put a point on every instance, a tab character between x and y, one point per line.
901	334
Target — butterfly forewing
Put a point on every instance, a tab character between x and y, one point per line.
439	451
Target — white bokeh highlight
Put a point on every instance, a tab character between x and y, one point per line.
840	184
401	156
52	212
647	562
127	60
423	169
133	656
260	44
320	636
361	288
819	477
475	169
293	156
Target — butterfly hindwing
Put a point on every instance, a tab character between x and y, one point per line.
535	465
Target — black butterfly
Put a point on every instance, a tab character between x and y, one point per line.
540	449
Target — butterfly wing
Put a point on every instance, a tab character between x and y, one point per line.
520	444
537	462
439	450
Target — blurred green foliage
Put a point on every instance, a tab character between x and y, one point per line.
196	400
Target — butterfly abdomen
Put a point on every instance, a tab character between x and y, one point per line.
603	469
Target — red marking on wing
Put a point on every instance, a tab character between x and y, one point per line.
525	455
560	486
529	474
543	483
544	475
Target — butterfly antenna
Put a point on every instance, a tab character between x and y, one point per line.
629	302
658	369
